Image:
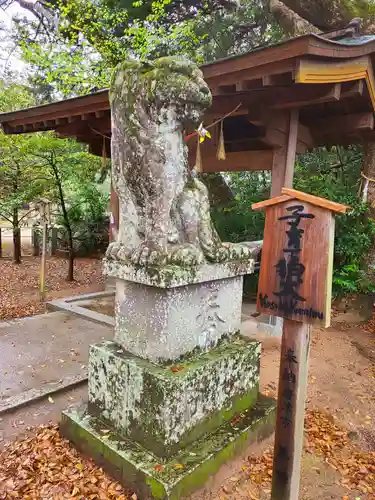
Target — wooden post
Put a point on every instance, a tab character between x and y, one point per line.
285	157
278	171
295	346
43	263
291	148
293	376
295	284
1	245
45	216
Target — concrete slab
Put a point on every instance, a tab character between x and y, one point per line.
44	353
100	306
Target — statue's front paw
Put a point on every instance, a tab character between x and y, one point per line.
149	254
187	255
112	250
237	251
117	251
218	253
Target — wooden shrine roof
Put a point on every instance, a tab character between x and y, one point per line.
288	194
329	78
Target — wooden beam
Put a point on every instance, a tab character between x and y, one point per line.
71	114
342	125
277	133
77	105
234	162
352	89
305	137
280	79
279	98
236	69
242	85
315	97
284	156
322	71
223	89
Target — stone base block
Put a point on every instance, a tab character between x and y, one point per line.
166	407
162	313
149	476
162	324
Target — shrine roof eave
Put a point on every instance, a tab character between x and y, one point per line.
265	60
292	194
305	45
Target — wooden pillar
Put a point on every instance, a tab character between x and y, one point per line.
295	346
278	171
291	148
285	157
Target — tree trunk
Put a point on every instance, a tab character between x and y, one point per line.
295	16
368	194
16	238
70	276
292	23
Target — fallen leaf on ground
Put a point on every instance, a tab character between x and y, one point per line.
177	368
44	465
20	283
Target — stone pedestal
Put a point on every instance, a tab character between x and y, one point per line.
176	393
163	314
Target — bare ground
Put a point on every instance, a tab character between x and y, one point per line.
339	456
339	451
19	283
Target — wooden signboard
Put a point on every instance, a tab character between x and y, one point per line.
297	257
295	283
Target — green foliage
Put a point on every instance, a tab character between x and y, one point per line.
331	174
94	36
42	166
19	182
65	163
335	175
351	279
59	70
86	207
236	221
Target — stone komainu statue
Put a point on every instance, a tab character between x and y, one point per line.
164	210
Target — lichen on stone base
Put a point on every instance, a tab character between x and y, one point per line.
166	407
153	478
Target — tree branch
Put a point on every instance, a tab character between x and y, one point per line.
26	214
289	20
6	218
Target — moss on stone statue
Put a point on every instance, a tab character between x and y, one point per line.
166	407
153	478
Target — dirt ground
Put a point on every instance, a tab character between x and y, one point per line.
339	452
19	284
